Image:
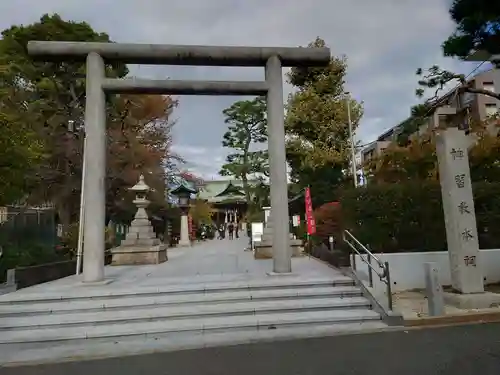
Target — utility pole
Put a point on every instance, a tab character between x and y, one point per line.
351	139
79	251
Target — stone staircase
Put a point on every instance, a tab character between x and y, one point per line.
41	326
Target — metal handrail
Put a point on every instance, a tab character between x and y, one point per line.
381	275
365	249
384	274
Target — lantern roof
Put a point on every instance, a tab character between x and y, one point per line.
141	186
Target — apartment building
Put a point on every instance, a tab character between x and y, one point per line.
454	108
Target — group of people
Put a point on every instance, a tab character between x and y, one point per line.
231	228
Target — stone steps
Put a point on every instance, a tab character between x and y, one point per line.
197	325
38	308
179	312
83	317
83	294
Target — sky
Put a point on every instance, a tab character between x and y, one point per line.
385	41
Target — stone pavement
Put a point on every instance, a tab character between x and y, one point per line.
463	350
206	262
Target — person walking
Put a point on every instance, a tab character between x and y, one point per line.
230	230
237	229
222	231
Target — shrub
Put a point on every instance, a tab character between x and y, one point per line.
328	222
409	217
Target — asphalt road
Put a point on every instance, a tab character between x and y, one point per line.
459	350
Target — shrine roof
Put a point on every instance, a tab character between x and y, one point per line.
220	190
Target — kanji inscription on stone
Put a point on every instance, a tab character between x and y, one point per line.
467	235
457	153
463	208
470	261
460	180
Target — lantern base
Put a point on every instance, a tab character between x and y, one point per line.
184	243
138	255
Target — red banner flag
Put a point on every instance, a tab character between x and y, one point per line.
311	223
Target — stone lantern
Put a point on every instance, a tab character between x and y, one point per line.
141	192
140	246
183	192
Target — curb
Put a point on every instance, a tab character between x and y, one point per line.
479	317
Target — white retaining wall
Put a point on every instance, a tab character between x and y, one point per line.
407	269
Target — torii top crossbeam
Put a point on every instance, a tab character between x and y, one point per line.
164	54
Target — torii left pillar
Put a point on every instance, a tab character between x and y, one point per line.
95	172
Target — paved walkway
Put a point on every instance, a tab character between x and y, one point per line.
462	350
213	261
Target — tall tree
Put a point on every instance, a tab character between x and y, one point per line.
139	140
54	90
52	96
477	29
20	154
247	128
318	147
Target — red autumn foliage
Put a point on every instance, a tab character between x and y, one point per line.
139	142
328	220
190	177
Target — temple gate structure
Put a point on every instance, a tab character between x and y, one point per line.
97	55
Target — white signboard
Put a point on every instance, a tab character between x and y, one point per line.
296	220
257	232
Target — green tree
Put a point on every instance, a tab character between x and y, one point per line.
318	146
51	95
56	92
477	29
201	212
247	128
20	154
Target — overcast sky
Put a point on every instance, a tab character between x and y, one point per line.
385	41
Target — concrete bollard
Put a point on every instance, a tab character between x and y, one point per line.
434	290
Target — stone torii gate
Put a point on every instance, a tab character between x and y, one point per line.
97	85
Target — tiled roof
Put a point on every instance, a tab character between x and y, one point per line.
212	189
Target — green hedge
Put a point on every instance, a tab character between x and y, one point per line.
409	217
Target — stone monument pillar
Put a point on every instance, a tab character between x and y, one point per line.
460	220
140	245
458	206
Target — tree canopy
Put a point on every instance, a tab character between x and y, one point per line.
316	125
247	128
477	28
42	104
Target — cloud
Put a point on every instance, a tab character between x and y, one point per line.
385	41
201	161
